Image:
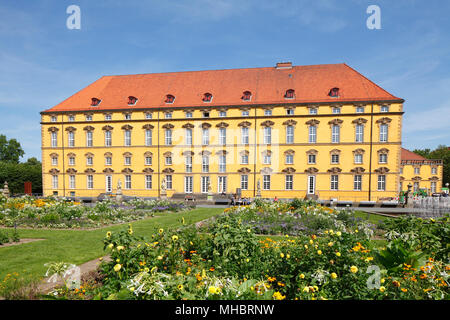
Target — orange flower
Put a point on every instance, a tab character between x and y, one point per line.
396	283
211	269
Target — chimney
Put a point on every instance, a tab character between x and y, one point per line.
284	65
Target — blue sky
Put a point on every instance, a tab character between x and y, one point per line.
42	62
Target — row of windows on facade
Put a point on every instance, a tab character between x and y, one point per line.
416	186
244	160
221	114
222	136
208	97
222	182
417	170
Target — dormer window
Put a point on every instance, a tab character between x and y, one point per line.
132	100
334	93
95	102
170	98
290	94
207	97
247	96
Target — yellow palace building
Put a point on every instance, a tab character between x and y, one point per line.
321	131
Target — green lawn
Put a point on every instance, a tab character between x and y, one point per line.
373	218
80	246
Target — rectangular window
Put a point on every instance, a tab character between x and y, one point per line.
89	142
222	184
188	184
205	114
168	115
336	110
223	136
222	114
360	110
312	110
205	137
357	183
433	170
128	161
54	139
148	115
127	134
267	135
148	161
169	182
417	170
71	118
148	182
108	161
244	136
54	119
90	181
416	186
168	160
335	133
128	116
108	117
244	182
205	163
289	134
334	158
433	187
289	182
358	158
401	170
311	159
245	113
383	133
359	133
222	163
289	112
71	139
55	182
108	183
108	138
148	137
88	117
334	182
205	184
312	134
54	161
267	159
188	137
168	137
381	182
71	161
289	159
89	161
244	159
128	181
383	158
72	182
188	114
188	164
384	109
268	112
266	182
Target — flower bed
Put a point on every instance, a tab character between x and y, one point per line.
59	213
233	262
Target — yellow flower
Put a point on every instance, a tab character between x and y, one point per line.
120	248
278	296
356	231
247	260
302	276
288	256
132	289
110	246
354	269
108	234
404	289
117	267
338	233
311	242
368	259
146	269
306	247
161	231
160	257
306	289
248	230
331	231
154	269
316	288
319	252
282	255
382	289
180	287
330	244
333	275
214	290
117	260
338	254
174	238
382	280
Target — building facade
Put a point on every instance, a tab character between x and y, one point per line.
420	173
323	131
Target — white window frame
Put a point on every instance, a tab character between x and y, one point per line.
188	164
148	137
169	182
54	139
148	161
222	163
54	182
148	182
127	184
289	159
168	137
108	138
188	137
244	182
312	134
90	181
222	136
205	136
188	184
245	135
359	133
335	133
266	182
384	131
289	182
204	184
72	182
71	139
289	134
205	164
357	182
334	182
267	135
89	139
127	138
381	185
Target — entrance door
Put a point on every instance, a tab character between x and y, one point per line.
108	183
188	182
311	184
222	184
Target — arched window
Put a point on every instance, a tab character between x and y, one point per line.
170	98
132	100
247	96
95	102
207	97
334	93
290	94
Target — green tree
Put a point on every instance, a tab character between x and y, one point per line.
10	150
441	152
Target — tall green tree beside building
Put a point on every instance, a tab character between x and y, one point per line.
441	152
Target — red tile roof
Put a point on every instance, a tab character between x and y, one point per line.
408	155
267	85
